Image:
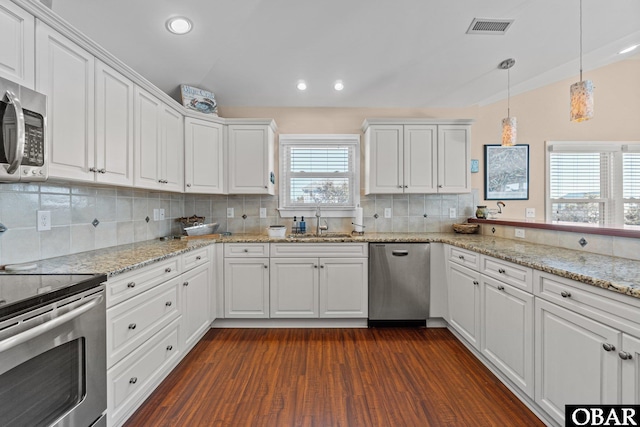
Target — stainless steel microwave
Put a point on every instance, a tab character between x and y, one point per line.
23	133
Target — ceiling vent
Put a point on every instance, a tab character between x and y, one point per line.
489	26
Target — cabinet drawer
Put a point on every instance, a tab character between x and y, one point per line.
135	377
513	274
195	258
617	310
315	250
246	250
464	257
134	321
127	285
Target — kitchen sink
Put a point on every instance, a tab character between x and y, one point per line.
322	236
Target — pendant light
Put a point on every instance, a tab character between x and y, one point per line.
509	124
581	92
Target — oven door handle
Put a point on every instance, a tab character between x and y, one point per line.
48	326
15	163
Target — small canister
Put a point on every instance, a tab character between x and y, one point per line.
481	212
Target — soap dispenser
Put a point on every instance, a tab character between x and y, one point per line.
303	226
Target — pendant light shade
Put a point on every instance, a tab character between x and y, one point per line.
581	93
509	124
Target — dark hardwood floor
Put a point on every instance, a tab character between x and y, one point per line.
331	377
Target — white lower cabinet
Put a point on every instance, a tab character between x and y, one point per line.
246	287
464	302
344	287
575	360
294	287
507	331
630	356
195	304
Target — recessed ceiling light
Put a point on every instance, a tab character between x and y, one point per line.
629	49
302	85
179	25
338	85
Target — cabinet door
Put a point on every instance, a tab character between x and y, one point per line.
507	331
420	159
571	364
454	169
630	370
384	157
294	287
464	302
65	73
114	127
246	287
146	140
251	160
195	308
172	150
344	287
204	157
17	50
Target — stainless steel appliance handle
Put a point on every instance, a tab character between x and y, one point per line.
19	145
46	327
399	252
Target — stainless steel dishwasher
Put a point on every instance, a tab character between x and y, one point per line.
398	284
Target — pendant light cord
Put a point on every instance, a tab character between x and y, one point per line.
508	92
580	40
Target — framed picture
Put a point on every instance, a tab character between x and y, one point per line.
199	99
506	172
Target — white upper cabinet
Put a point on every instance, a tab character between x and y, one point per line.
417	156
65	73
17	50
251	158
114	127
204	156
158	144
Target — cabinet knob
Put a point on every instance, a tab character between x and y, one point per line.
103	170
475	282
322	266
133	380
168	303
169	347
132	326
167	270
185	284
266	266
198	258
131	285
406	186
266	186
399	186
246	250
92	169
625	356
500	288
439	186
565	294
461	256
501	270
188	185
608	347
315	266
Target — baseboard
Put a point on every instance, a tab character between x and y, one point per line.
289	323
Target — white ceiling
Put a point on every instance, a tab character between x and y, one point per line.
388	53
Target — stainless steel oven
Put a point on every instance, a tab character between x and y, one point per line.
52	350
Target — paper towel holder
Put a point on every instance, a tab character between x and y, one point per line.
358	233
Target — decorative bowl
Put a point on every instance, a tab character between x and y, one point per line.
201	229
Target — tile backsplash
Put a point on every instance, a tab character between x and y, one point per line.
87	217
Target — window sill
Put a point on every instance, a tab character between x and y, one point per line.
572	227
311	213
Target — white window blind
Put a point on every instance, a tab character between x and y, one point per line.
319	170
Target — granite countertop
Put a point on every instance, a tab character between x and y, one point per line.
616	274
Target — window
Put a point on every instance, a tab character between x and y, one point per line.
319	170
593	182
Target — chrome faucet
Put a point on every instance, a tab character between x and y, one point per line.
320	228
500	206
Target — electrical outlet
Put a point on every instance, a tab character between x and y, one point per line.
263	212
44	221
156	214
230	213
530	212
161	215
387	212
520	232
452	213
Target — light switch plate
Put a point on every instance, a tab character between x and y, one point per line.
520	232
530	212
263	212
387	212
230	213
452	213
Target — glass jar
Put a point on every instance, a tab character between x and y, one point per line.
481	212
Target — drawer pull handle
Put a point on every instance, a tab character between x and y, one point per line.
131	285
565	294
168	303
198	258
625	356
501	270
185	284
167	270
461	256
608	347
500	288
169	347
475	282
133	380
132	326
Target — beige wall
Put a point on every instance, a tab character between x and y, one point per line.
542	115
